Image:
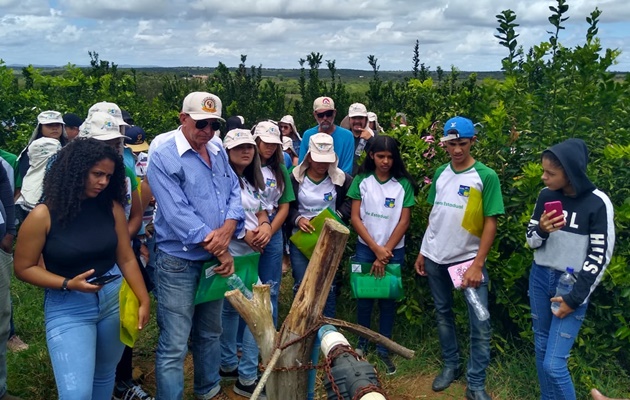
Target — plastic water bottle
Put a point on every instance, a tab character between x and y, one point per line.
473	299
235	282
360	147
565	285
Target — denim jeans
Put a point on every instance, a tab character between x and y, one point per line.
270	269
553	337
480	331
6	266
176	281
387	307
83	338
299	262
248	364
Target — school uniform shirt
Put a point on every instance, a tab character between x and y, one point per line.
313	197
252	203
381	204
461	200
272	196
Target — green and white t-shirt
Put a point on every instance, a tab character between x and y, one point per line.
461	200
314	197
272	195
252	203
381	204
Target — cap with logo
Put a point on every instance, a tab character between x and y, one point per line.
136	139
321	148
50	117
458	127
237	137
100	126
109	108
268	132
323	104
202	105
357	110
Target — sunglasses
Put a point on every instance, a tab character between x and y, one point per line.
327	114
202	123
285	127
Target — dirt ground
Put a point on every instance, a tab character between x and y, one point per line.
408	387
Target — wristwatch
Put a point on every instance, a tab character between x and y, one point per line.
64	285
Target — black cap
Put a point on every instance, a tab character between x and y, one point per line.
72	120
126	117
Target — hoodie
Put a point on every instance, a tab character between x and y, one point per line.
586	241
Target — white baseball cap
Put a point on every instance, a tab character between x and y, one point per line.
100	126
109	108
323	103
268	132
50	117
357	110
237	137
202	105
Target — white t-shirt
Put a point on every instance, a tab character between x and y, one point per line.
314	197
381	205
252	203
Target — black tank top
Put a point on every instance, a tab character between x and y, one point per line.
88	241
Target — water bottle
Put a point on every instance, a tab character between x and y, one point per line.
360	147
473	299
235	282
565	285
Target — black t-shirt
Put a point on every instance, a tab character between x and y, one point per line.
88	241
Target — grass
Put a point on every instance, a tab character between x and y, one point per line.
511	375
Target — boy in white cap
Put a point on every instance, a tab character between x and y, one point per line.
324	112
363	135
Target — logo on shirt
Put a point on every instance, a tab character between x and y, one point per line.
271	183
390	202
464	191
328	196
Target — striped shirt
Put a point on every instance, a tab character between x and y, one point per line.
194	199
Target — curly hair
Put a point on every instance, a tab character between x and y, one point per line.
64	183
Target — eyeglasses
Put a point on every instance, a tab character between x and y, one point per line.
202	123
327	114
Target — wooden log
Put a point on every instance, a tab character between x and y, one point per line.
305	314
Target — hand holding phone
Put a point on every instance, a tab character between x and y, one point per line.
556	219
103	279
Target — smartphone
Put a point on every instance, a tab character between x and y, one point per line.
554	205
103	280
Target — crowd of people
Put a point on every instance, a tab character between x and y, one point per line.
95	202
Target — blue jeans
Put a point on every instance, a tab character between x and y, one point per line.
270	269
299	262
553	337
6	266
176	281
480	331
248	365
83	338
387	307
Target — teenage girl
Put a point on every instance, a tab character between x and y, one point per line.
277	195
318	183
382	195
243	155
581	237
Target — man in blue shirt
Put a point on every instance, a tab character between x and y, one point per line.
324	112
199	210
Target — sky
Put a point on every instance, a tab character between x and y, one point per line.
277	33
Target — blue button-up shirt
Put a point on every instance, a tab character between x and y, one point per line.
193	198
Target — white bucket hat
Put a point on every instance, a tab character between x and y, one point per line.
321	148
109	108
268	132
100	126
288	119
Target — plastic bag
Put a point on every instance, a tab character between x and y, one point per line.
129	305
367	286
213	286
473	216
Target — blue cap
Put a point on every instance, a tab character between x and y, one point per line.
136	139
458	127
